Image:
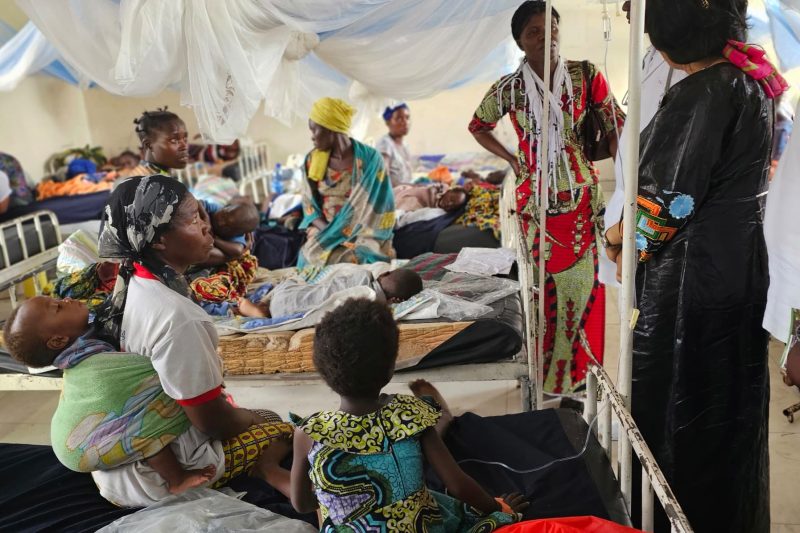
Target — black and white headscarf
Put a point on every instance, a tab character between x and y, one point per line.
137	213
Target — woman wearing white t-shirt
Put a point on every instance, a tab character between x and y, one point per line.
392	146
157	229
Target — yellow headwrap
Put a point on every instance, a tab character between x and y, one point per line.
335	115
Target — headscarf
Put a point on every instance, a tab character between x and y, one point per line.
335	115
753	62
388	113
137	212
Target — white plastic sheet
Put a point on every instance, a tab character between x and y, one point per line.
205	510
229	57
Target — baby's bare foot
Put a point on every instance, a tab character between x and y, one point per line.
193	478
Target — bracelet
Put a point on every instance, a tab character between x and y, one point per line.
504	507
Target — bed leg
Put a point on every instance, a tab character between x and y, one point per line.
790	411
526	394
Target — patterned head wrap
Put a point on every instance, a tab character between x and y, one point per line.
335	115
138	211
388	113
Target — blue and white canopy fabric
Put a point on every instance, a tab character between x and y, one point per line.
226	58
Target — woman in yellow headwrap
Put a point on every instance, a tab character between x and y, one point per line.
348	205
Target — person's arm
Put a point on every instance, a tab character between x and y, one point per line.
488	140
232	250
302	493
491	109
458	484
612	114
219	419
4	204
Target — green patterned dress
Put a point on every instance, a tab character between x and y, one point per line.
367	473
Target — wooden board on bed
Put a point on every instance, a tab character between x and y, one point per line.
291	351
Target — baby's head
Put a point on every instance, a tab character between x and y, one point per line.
39	329
235	219
355	348
400	285
453	200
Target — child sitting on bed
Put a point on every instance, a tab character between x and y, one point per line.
294	296
362	464
45	331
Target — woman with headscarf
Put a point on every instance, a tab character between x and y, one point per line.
700	379
393	147
154	227
574	299
348	205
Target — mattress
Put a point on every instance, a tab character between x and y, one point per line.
427	344
291	351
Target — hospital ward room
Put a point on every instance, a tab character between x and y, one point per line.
417	266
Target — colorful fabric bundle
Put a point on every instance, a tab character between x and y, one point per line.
90	285
229	282
483	210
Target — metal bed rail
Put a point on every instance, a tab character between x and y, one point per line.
31	264
601	391
255	174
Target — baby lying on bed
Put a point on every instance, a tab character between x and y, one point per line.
296	296
99	426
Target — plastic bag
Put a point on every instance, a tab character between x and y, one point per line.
205	510
78	251
481	290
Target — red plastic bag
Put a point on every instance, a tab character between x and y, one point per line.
572	524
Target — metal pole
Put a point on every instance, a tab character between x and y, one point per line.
631	173
543	195
648	520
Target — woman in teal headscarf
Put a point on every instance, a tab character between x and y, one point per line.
348	205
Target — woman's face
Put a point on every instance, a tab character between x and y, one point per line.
169	145
322	137
189	240
532	40
400	122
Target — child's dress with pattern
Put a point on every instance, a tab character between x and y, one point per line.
367	473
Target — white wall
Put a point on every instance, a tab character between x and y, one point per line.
42	116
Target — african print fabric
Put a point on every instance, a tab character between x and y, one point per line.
482	210
360	219
367	473
243	451
229	282
574	299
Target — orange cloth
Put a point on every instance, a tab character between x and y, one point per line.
441	173
71	187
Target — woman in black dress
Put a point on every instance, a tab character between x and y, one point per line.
700	380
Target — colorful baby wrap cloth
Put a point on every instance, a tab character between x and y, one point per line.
112	409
